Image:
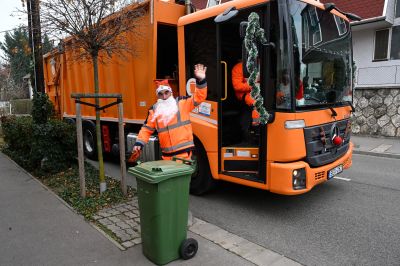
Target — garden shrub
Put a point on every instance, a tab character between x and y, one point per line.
54	148
17	132
42	108
38	143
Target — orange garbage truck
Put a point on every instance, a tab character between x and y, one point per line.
306	140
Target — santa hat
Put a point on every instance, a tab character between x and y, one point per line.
163	86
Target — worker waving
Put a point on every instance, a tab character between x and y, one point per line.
170	117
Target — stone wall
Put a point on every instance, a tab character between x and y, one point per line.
377	112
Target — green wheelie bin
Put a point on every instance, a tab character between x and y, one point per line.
163	194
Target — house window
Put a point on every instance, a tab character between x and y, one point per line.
211	3
395	43
381	44
315	26
398	9
341	25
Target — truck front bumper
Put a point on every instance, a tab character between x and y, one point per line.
281	174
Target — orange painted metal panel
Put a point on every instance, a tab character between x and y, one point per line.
132	75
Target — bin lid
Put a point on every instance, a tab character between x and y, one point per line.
157	171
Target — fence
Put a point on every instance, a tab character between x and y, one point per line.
380	76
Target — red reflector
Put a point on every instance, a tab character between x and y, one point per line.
337	140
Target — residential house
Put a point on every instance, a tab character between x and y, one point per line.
376	53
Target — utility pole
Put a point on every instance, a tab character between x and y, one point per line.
36	43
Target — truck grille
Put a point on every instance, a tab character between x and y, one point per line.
319	146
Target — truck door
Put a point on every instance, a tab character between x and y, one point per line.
242	146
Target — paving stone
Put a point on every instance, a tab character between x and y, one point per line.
131	222
113	227
114	219
130	231
137	240
96	217
121	217
103	214
105	221
125	237
113	212
121	209
128	244
123	225
130	214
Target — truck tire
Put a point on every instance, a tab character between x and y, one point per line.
202	180
89	139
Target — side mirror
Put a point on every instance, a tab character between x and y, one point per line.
229	13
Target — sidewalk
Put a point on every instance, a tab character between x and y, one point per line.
38	228
377	146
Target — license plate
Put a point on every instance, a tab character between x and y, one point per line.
337	170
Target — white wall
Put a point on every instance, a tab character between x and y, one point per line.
373	74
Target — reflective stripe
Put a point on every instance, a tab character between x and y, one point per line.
150	128
176	147
201	117
178	114
160	130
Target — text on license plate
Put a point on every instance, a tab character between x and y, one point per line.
337	170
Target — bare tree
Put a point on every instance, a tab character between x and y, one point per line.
97	29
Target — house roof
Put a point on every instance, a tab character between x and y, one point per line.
363	8
201	4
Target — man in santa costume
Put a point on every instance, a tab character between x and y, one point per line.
169	116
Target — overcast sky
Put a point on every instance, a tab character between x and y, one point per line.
9	18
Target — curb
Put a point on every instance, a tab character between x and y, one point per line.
378	154
239	246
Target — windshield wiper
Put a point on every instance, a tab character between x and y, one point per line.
334	114
330	6
351	105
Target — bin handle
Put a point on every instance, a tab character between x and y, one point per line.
186	161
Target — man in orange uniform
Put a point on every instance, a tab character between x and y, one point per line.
170	117
242	89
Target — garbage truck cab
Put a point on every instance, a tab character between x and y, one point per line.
306	140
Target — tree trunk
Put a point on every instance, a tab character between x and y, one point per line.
102	180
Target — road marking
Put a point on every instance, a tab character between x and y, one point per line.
342	178
381	148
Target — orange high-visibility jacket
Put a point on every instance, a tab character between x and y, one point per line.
243	89
177	136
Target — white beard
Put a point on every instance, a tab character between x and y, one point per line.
165	110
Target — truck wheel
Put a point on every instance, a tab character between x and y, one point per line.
201	181
90	140
188	248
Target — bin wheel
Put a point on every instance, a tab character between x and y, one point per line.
188	248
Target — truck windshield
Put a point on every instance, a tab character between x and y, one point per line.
322	59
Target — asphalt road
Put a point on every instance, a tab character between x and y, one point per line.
355	222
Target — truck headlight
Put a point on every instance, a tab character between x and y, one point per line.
299	178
